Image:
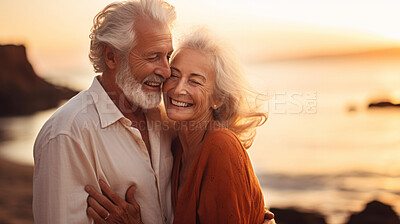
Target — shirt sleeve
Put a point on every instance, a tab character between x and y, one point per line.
225	195
62	169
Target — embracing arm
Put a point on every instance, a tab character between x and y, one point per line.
61	170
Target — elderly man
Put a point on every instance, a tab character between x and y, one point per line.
112	131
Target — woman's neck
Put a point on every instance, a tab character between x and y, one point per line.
191	135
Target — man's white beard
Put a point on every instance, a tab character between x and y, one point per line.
132	89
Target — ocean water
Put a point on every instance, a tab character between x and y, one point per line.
314	152
321	148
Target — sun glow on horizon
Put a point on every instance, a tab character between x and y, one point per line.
395	97
392	34
281	28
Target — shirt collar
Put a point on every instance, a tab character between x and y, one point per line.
108	112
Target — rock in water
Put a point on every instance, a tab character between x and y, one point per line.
375	212
21	90
383	104
292	216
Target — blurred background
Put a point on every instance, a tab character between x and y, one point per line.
330	71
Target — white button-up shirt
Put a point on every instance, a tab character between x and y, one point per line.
89	139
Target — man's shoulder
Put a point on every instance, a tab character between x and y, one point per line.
74	115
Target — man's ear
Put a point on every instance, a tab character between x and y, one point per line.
110	57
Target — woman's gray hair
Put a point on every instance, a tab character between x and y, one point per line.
239	111
114	26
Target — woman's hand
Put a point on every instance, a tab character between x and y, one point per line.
110	208
269	217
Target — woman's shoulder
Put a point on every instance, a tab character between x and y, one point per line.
222	142
221	135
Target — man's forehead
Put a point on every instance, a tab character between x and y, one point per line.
152	34
158	37
154	41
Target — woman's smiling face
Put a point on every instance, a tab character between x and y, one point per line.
188	92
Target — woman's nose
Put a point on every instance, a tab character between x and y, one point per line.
180	88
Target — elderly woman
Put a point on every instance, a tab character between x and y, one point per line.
213	180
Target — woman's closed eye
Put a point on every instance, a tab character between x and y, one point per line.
173	76
196	82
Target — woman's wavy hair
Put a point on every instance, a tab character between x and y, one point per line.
239	111
114	26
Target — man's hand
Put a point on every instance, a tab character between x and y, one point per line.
269	217
110	208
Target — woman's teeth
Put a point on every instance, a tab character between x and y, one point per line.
180	104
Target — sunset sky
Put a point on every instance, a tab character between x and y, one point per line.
56	32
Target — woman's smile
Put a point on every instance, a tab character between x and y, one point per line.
178	103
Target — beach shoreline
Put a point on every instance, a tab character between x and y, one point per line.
16	192
16	197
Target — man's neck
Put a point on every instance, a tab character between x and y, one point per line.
133	113
118	97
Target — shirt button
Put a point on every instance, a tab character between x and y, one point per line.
126	122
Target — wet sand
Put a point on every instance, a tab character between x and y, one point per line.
15	193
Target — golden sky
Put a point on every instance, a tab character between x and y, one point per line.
56	32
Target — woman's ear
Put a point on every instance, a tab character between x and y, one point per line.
216	103
110	57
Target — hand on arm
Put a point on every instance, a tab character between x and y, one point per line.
269	217
269	221
110	208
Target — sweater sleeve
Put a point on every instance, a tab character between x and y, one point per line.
226	190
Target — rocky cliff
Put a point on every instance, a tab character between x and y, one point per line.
21	90
295	216
375	212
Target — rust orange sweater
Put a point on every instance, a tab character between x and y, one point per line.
221	186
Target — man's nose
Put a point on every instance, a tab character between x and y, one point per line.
163	68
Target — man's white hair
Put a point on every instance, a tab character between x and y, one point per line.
114	26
